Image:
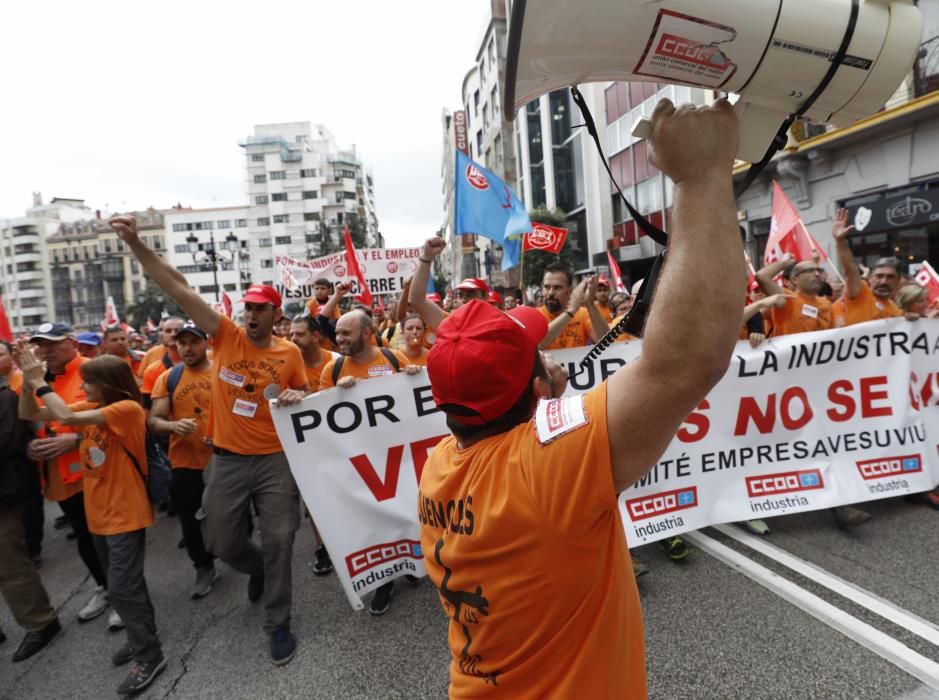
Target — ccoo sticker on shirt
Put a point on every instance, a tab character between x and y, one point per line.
810	311
233	378
244	408
380	370
557	417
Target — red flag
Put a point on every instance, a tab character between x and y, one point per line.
6	332
752	284
787	233
544	237
352	262
926	277
151	326
226	304
614	273
110	315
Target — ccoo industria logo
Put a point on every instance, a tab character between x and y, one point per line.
662	503
784	482
887	467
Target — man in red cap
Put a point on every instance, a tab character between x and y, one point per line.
603	299
250	366
520	526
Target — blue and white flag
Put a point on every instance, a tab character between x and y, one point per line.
485	205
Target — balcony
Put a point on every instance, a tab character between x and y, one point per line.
348	158
27	257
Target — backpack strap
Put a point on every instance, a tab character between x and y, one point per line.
337	368
173	381
167	362
392	360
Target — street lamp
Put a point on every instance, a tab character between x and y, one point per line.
233	247
210	254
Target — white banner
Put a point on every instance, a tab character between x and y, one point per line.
384	268
803	422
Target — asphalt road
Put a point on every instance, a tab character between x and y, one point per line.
712	631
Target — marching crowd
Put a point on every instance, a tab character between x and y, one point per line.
85	416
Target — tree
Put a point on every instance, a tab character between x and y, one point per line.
358	230
537	260
151	303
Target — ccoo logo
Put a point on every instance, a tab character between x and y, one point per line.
889	466
476	178
784	482
367	558
662	503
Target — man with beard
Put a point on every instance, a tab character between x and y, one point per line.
250	368
573	319
863	302
168	359
362	360
182	401
804	310
114	343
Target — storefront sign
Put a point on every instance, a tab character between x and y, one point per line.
901	211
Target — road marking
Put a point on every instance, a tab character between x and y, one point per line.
923	669
887	610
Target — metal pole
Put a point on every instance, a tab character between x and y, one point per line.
214	258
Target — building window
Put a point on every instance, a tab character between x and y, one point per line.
182	227
189	269
241	223
281	218
264	242
282	240
310	194
181	248
308	172
311	216
278	175
348	195
479	143
339	198
260	199
476	103
257	157
264	221
279	197
267	263
260	178
207	289
223	223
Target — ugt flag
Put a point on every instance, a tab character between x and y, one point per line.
787	233
485	205
544	237
926	277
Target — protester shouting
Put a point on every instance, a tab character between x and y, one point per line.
114	469
250	367
542	610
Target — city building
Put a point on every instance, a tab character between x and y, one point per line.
303	188
211	247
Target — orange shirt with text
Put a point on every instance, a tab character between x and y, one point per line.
868	307
801	314
62	475
191	399
115	494
525	544
377	367
153	372
241	416
576	333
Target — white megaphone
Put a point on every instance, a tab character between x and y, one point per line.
773	53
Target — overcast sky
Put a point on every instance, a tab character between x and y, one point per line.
129	106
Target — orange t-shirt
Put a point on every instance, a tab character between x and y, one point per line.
115	493
525	544
152	355
419	361
191	399
801	314
153	372
313	307
867	307
15	381
313	373
576	333
241	416
377	367
63	474
606	312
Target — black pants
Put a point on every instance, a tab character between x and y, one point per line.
186	491
127	591
34	519
74	509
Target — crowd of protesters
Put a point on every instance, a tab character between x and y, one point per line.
81	412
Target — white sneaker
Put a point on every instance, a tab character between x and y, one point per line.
95	606
115	622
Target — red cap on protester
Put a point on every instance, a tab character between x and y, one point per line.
603	282
263	294
495	298
434	297
472	284
483	359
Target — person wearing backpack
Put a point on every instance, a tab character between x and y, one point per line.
181	409
114	464
361	360
20	584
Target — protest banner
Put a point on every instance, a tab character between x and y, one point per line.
802	422
385	269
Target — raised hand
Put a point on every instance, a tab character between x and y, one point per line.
125	227
840	228
33	370
433	247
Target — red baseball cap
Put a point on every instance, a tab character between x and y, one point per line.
483	359
495	298
603	282
263	294
434	297
472	284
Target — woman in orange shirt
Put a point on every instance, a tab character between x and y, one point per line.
414	348
114	464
